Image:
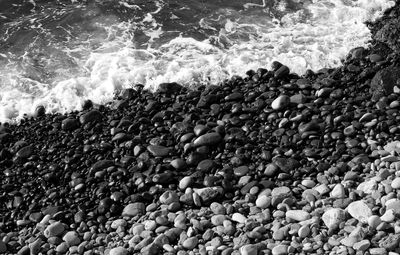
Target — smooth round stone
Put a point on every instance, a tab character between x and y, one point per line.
54	229
374	221
263	202
185	182
304	231
34	246
396	183
158	150
241	171
190	243
218	220
217	208
238	217
281	102
333	217
180	221
308	183
178	164
389	216
338	191
118	251
280	249
200	130
62	248
208	139
248	249
298	215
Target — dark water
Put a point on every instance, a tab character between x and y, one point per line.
58	53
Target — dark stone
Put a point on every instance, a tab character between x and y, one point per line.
25	152
158	150
169	88
102	164
286	165
69	124
91	116
208	139
384	81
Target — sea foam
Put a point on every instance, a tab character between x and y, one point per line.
99	64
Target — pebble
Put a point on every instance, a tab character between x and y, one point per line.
71	238
3	247
389	216
263	201
208	139
249	249
298	215
239	218
190	243
280	249
396	183
304	231
281	102
359	210
333	217
134	209
338	191
54	229
362	245
118	251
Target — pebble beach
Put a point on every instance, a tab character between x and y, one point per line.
270	163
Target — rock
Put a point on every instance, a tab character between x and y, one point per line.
158	150
362	245
134	209
71	238
281	102
374	221
101	165
333	217
359	210
282	72
208	139
263	202
118	251
69	124
280	249
338	191
169	88
185	182
384	81
298	215
304	231
91	116
190	243
25	152
389	216
286	165
34	246
54	229
396	183
239	218
249	249
390	242
169	197
393	204
208	194
3	247
217	208
377	251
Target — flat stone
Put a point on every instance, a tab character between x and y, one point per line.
158	150
359	210
298	215
208	139
134	209
118	251
333	217
362	245
91	116
390	242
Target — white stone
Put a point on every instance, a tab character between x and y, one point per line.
359	210
322	189
248	249
238	217
185	182
280	102
374	221
263	202
119	251
338	191
297	215
396	183
333	216
71	238
389	216
368	186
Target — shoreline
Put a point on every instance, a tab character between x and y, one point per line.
270	163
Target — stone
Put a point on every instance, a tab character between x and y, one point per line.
54	229
208	139
393	204
190	243
359	210
377	251
169	88
396	183
362	245
118	251
383	82
333	217
248	249
69	124
185	182
25	152
389	216
281	102
169	197
91	116
238	217
158	150
34	246
3	247
298	215
286	165
134	209
280	249
217	208
263	202
390	242
374	221
304	231
71	238
208	194
338	191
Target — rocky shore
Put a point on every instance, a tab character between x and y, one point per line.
271	163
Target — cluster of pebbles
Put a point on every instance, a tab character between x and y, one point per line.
272	163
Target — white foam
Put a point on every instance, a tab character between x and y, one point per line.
318	36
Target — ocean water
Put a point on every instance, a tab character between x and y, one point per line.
60	53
